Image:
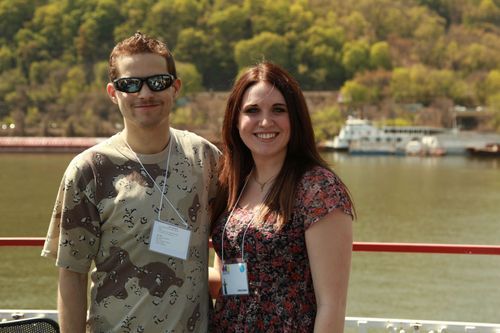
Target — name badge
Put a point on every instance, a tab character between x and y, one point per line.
234	279
170	239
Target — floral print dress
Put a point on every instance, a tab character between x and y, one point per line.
281	297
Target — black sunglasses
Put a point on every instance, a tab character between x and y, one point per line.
156	82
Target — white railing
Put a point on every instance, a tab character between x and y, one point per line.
355	324
352	324
23	314
364	325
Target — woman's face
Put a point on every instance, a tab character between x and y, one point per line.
264	122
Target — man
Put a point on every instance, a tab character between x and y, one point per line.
136	206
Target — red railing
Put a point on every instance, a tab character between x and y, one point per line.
357	246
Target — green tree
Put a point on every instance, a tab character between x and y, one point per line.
31	47
440	49
395	122
265	46
461	92
167	17
13	15
186	118
440	83
356	26
73	86
420	84
326	123
18	103
269	15
400	87
428	33
386	18
486	14
47	22
193	46
300	17
95	35
210	58
135	14
427	26
318	55
7	58
191	78
356	56
494	106
230	24
10	80
100	75
492	83
477	57
46	78
33	117
380	55
450	10
356	94
377	82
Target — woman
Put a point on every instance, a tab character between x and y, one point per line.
282	220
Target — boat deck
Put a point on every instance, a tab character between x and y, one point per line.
352	324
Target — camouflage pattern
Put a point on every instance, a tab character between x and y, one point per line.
103	216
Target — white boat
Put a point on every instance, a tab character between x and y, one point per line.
353	130
360	136
415	148
459	143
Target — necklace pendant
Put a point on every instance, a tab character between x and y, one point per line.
262	185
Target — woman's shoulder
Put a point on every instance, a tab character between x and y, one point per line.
319	176
321	190
318	182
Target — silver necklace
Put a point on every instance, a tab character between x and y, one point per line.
262	185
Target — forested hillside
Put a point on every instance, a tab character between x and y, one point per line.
380	55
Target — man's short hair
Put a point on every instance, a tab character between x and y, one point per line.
137	44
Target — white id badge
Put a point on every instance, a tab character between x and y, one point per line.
170	239
234	279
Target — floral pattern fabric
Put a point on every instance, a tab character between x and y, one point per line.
281	297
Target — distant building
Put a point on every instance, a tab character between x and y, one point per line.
468	119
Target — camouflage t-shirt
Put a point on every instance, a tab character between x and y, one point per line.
103	215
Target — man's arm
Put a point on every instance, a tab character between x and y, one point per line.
214	278
72	301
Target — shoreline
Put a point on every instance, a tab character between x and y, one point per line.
19	144
14	144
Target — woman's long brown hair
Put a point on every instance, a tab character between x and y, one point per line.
237	161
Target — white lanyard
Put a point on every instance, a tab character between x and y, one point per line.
162	190
246	228
234	277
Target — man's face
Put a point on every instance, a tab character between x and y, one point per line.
145	109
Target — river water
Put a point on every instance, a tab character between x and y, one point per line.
451	200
